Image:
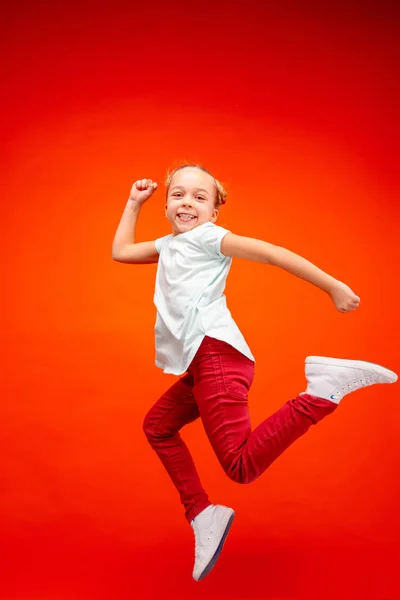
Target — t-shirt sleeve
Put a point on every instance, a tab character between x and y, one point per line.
159	242
211	240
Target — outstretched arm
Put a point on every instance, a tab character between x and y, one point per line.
258	250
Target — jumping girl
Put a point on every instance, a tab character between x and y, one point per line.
197	339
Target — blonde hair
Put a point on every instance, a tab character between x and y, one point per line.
220	191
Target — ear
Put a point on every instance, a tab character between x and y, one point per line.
214	215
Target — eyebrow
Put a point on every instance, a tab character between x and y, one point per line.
197	189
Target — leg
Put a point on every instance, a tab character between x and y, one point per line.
222	378
172	411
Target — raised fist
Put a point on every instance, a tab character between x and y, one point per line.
142	190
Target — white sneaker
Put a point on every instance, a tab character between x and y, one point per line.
210	527
333	378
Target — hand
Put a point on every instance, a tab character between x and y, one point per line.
142	190
343	297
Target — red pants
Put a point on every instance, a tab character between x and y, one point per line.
216	388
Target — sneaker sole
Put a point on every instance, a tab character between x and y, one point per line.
353	364
215	557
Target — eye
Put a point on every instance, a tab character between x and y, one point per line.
201	197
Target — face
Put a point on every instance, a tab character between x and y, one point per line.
191	194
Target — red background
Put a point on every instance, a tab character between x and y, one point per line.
293	107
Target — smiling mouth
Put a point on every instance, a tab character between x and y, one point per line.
186	218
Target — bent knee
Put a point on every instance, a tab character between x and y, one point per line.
149	426
154	429
239	475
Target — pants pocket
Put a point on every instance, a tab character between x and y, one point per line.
237	373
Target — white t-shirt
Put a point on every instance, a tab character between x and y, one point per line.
191	278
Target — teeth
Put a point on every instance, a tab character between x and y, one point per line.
186	215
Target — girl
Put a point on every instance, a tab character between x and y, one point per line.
197	339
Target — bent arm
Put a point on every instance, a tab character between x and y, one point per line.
124	248
260	251
141	253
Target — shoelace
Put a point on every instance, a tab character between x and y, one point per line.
353	385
